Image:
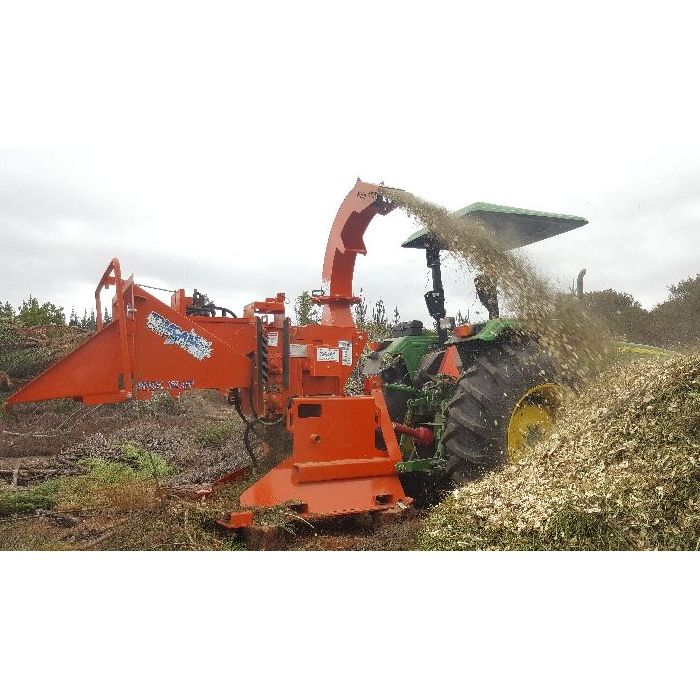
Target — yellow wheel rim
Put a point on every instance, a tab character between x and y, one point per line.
532	418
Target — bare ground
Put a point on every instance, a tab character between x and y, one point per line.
62	447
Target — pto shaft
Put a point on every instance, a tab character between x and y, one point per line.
423	437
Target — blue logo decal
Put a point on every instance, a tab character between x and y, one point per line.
189	341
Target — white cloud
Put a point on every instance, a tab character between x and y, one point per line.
211	147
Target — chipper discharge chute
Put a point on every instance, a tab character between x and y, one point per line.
349	453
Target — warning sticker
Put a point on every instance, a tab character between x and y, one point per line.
273	339
345	347
298	350
327	354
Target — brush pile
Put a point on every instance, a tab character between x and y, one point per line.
196	452
25	351
622	471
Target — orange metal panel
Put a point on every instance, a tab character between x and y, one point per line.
464	331
238	520
451	364
92	372
343	429
356	212
343	469
148	347
343	459
172	352
352	495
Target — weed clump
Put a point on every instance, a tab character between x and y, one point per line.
145	463
18	503
213	434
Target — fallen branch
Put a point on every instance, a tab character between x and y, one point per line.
22	475
59	430
107	534
76	514
30	470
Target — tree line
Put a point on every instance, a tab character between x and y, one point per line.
374	319
33	313
673	323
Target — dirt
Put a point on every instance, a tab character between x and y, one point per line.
188	433
394	531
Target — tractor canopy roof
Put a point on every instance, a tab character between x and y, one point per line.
513	227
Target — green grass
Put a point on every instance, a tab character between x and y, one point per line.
119	495
18	503
147	464
213	434
106	484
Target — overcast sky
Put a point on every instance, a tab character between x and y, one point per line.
209	145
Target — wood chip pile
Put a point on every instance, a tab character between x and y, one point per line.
622	471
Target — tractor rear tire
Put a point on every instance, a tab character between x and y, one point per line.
507	385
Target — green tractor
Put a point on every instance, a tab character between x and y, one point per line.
468	398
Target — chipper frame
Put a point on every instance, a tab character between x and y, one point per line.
344	447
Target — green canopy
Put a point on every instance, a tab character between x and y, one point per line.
513	227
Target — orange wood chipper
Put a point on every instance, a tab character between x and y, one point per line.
431	403
344	447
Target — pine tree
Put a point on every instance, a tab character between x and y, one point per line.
379	315
360	312
31	313
6	311
88	322
461	319
305	311
74	320
107	317
396	319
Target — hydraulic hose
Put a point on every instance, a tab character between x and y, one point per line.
249	428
